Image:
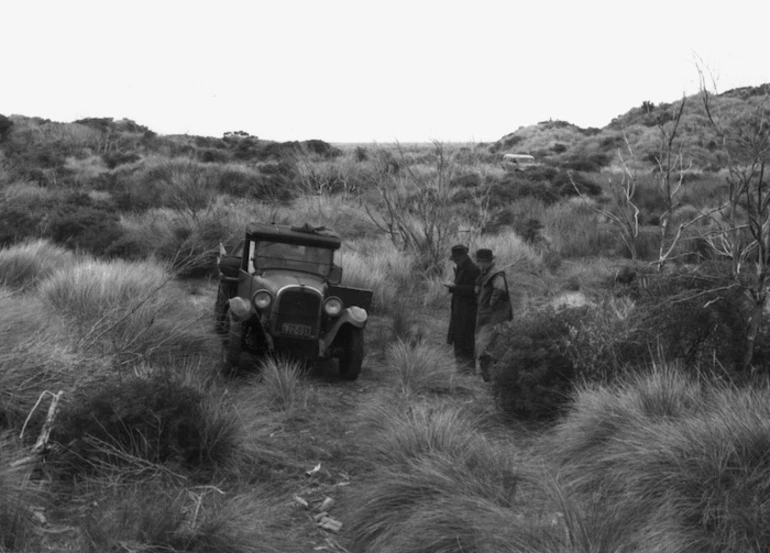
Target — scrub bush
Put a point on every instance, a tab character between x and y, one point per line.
533	375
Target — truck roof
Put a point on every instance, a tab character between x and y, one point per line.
304	235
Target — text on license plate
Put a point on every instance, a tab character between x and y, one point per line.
296	329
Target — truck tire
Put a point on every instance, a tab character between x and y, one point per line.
353	356
221	324
232	346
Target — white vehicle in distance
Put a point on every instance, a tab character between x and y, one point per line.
519	161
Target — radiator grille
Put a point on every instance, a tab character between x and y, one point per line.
299	313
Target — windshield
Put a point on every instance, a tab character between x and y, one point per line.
278	255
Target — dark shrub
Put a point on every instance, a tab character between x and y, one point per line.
541	173
529	229
99	123
17	222
463	195
697	316
211	155
506	143
279	181
6	125
284	168
210	142
237	183
471	180
79	223
573	183
247	150
321	148
157	420
504	217
559	148
533	376
113	159
514	188
361	153
589	163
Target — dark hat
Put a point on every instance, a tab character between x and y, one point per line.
484	254
459	250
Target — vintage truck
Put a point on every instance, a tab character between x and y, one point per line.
280	294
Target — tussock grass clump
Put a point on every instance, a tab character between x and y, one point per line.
283	380
601	417
18	499
420	368
25	264
34	356
154	516
92	288
437	485
682	465
131	310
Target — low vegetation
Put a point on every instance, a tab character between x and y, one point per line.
627	407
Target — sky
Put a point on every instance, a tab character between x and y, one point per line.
366	71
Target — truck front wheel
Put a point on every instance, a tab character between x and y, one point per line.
233	344
353	355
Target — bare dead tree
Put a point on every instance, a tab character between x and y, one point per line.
416	211
741	231
669	160
625	216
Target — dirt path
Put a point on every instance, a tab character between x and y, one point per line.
321	439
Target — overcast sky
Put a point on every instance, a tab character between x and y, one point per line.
368	71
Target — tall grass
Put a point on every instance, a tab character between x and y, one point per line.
283	380
336	213
575	230
420	368
681	465
437	485
380	267
25	264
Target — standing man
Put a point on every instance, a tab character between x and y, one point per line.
494	308
462	320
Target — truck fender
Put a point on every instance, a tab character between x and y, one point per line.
240	309
355	316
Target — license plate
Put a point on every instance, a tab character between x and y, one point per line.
296	329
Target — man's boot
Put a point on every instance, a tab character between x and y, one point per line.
485	363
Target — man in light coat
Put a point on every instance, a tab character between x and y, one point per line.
493	309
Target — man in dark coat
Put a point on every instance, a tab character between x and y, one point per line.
494	308
462	321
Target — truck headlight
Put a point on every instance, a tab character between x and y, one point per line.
262	299
333	306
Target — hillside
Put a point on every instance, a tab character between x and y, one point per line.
564	144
